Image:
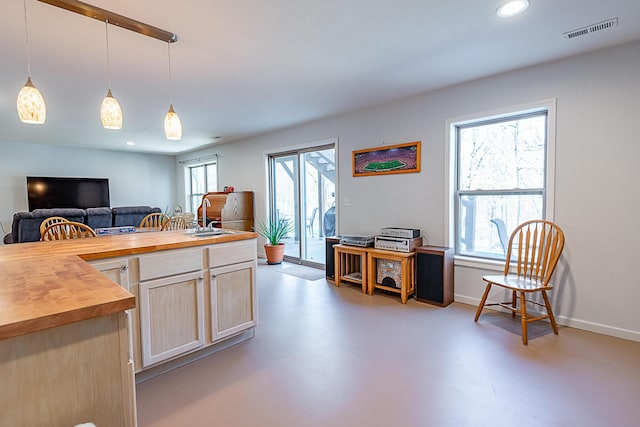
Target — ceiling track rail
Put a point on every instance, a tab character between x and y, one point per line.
114	19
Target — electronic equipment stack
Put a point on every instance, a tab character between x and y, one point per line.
362	240
398	239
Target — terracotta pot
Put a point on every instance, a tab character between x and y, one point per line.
275	254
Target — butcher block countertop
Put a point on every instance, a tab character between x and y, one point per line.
48	284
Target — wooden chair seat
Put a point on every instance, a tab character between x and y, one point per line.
535	247
523	284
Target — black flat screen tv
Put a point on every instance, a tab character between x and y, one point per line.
57	192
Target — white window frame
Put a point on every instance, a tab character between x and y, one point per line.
189	183
451	124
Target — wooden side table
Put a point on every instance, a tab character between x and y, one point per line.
407	278
351	265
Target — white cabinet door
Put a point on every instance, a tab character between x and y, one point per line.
233	299
171	316
115	269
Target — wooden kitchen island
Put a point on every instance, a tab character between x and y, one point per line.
80	318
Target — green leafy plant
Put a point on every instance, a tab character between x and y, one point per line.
274	231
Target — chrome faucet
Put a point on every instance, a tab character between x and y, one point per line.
205	203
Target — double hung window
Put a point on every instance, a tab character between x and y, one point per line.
502	166
203	179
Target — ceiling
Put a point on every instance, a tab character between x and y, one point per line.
245	67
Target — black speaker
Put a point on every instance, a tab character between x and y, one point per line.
329	263
434	275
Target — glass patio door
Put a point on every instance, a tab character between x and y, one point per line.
302	187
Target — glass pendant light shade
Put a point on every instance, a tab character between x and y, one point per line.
110	112
30	103
172	125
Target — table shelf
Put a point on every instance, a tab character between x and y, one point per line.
351	265
353	277
407	275
388	288
356	264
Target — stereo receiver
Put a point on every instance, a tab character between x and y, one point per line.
407	233
399	244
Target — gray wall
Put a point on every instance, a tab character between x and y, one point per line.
134	179
596	199
596	195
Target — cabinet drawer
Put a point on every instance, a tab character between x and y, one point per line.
169	263
232	253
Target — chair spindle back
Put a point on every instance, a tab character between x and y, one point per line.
67	230
538	244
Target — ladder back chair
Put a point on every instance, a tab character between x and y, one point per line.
175	223
67	230
535	247
154	220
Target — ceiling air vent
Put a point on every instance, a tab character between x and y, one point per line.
604	25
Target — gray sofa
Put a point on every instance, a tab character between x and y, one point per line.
131	215
99	217
26	225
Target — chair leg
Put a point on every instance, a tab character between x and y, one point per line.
523	318
550	312
514	300
484	299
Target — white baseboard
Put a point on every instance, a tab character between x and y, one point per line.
568	321
180	361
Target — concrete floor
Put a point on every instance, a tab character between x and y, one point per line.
327	356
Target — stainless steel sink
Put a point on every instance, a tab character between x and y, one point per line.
208	232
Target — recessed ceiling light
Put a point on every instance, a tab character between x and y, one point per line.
131	143
512	8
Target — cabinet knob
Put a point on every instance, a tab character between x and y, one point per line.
124	267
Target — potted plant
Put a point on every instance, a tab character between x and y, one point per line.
274	231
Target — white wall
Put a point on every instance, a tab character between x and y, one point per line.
597	173
134	178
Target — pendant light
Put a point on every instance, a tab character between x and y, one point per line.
172	124
110	111
30	103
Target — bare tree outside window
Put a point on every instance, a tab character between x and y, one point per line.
500	180
204	179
